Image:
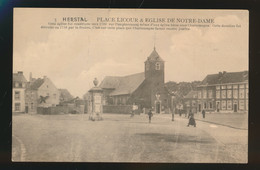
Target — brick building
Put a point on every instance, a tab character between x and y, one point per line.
41	92
225	92
19	85
145	89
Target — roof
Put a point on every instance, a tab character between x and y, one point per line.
191	94
19	77
64	93
225	77
123	85
36	84
154	56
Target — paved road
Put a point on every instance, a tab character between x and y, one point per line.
119	138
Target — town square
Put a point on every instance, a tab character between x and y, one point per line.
150	94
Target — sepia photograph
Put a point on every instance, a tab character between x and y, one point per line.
130	85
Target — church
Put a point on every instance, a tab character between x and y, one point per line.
145	89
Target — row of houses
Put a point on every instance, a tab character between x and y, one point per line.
41	92
222	92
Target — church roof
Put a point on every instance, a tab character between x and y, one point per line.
122	85
225	77
154	56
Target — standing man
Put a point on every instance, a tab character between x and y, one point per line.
203	113
150	114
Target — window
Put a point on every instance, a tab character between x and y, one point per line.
199	94
223	87
210	94
241	86
17	95
223	104
193	103
16	84
235	94
20	84
17	107
210	105
32	106
218	87
204	94
229	87
205	105
223	94
229	105
217	94
157	66
241	105
229	93
241	93
235	86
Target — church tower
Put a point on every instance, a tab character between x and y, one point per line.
154	77
154	68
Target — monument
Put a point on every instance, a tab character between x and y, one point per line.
96	102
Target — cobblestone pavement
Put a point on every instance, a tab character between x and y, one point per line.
119	138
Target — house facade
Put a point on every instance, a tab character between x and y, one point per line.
190	102
224	92
41	92
19	85
145	89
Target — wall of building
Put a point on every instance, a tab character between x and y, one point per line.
18	100
48	89
31	100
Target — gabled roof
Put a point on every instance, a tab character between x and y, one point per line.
191	94
19	77
154	56
225	77
64	93
36	84
122	85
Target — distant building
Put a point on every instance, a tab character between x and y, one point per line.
19	85
65	95
190	102
145	89
41	92
225	92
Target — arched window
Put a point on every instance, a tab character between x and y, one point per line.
157	66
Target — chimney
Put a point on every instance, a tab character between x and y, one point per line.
20	72
224	72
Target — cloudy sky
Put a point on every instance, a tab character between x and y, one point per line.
73	58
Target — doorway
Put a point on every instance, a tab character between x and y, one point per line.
235	107
157	107
26	109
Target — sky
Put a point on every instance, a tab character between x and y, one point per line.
73	58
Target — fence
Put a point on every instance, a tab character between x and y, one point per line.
126	109
60	109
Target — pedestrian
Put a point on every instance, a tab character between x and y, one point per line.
150	115
203	113
133	110
191	119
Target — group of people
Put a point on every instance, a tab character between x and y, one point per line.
190	116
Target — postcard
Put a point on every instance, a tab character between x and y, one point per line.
130	85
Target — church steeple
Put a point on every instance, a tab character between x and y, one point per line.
154	65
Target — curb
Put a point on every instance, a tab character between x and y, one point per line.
221	124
